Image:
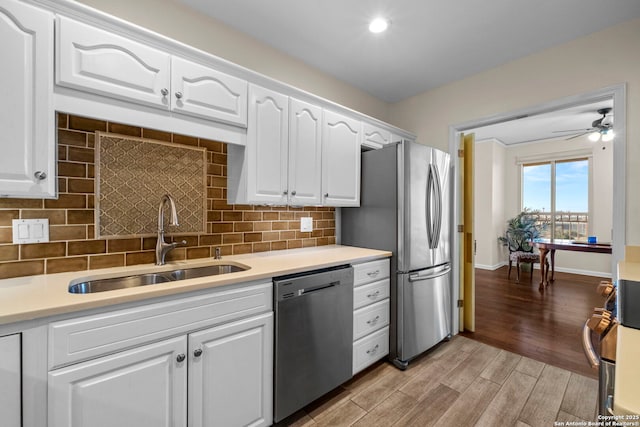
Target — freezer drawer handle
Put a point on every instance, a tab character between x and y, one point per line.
373	295
373	273
417	277
374	320
373	350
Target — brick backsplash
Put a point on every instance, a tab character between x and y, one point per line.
236	229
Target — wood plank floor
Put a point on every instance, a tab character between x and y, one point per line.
523	366
460	383
545	326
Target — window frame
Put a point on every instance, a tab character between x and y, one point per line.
552	161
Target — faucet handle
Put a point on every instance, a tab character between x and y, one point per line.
217	254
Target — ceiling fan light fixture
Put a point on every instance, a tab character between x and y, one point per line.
379	25
594	136
608	135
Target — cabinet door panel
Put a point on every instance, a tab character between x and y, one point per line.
305	154
10	378
98	61
230	383
341	138
27	121
267	146
203	92
374	137
145	387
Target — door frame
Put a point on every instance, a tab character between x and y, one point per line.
618	94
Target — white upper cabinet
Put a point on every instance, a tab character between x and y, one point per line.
27	118
305	153
341	139
98	61
102	62
374	136
267	146
204	92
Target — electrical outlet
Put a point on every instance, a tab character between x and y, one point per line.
30	230
306	224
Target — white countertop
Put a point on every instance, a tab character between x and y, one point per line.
34	297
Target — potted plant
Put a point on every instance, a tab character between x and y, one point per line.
521	232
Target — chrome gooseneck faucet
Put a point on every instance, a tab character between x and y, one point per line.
163	247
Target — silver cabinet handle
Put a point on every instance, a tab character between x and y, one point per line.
374	349
285	192
197	352
373	273
179	95
374	294
164	91
293	193
374	320
40	175
326	194
181	357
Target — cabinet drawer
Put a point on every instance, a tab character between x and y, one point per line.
370	318
370	271
87	337
369	349
370	293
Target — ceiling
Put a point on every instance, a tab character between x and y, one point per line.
560	124
429	43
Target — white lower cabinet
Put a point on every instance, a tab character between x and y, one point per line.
230	375
144	387
371	313
217	372
10	379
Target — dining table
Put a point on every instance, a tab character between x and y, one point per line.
547	246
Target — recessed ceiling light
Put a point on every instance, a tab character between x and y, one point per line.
378	25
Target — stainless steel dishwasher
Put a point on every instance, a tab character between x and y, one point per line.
313	336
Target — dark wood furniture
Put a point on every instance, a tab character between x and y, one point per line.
549	247
521	251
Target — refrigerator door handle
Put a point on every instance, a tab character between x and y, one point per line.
415	277
428	198
438	189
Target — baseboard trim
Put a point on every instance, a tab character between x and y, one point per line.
558	269
490	267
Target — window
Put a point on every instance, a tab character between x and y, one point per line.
559	191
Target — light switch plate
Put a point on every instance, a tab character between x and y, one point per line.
306	224
30	230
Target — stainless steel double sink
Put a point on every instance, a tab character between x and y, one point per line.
143	279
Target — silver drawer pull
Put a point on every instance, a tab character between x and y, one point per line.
374	320
373	273
374	295
373	350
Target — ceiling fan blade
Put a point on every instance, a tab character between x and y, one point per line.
572	130
577	136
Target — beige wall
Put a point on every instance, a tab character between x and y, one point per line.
601	195
175	20
583	65
489	203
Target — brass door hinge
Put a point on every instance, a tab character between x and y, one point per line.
460	303
461	153
460	228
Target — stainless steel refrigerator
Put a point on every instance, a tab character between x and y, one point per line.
405	208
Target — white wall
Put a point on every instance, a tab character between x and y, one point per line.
177	21
489	203
596	61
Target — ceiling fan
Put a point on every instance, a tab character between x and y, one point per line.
601	128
